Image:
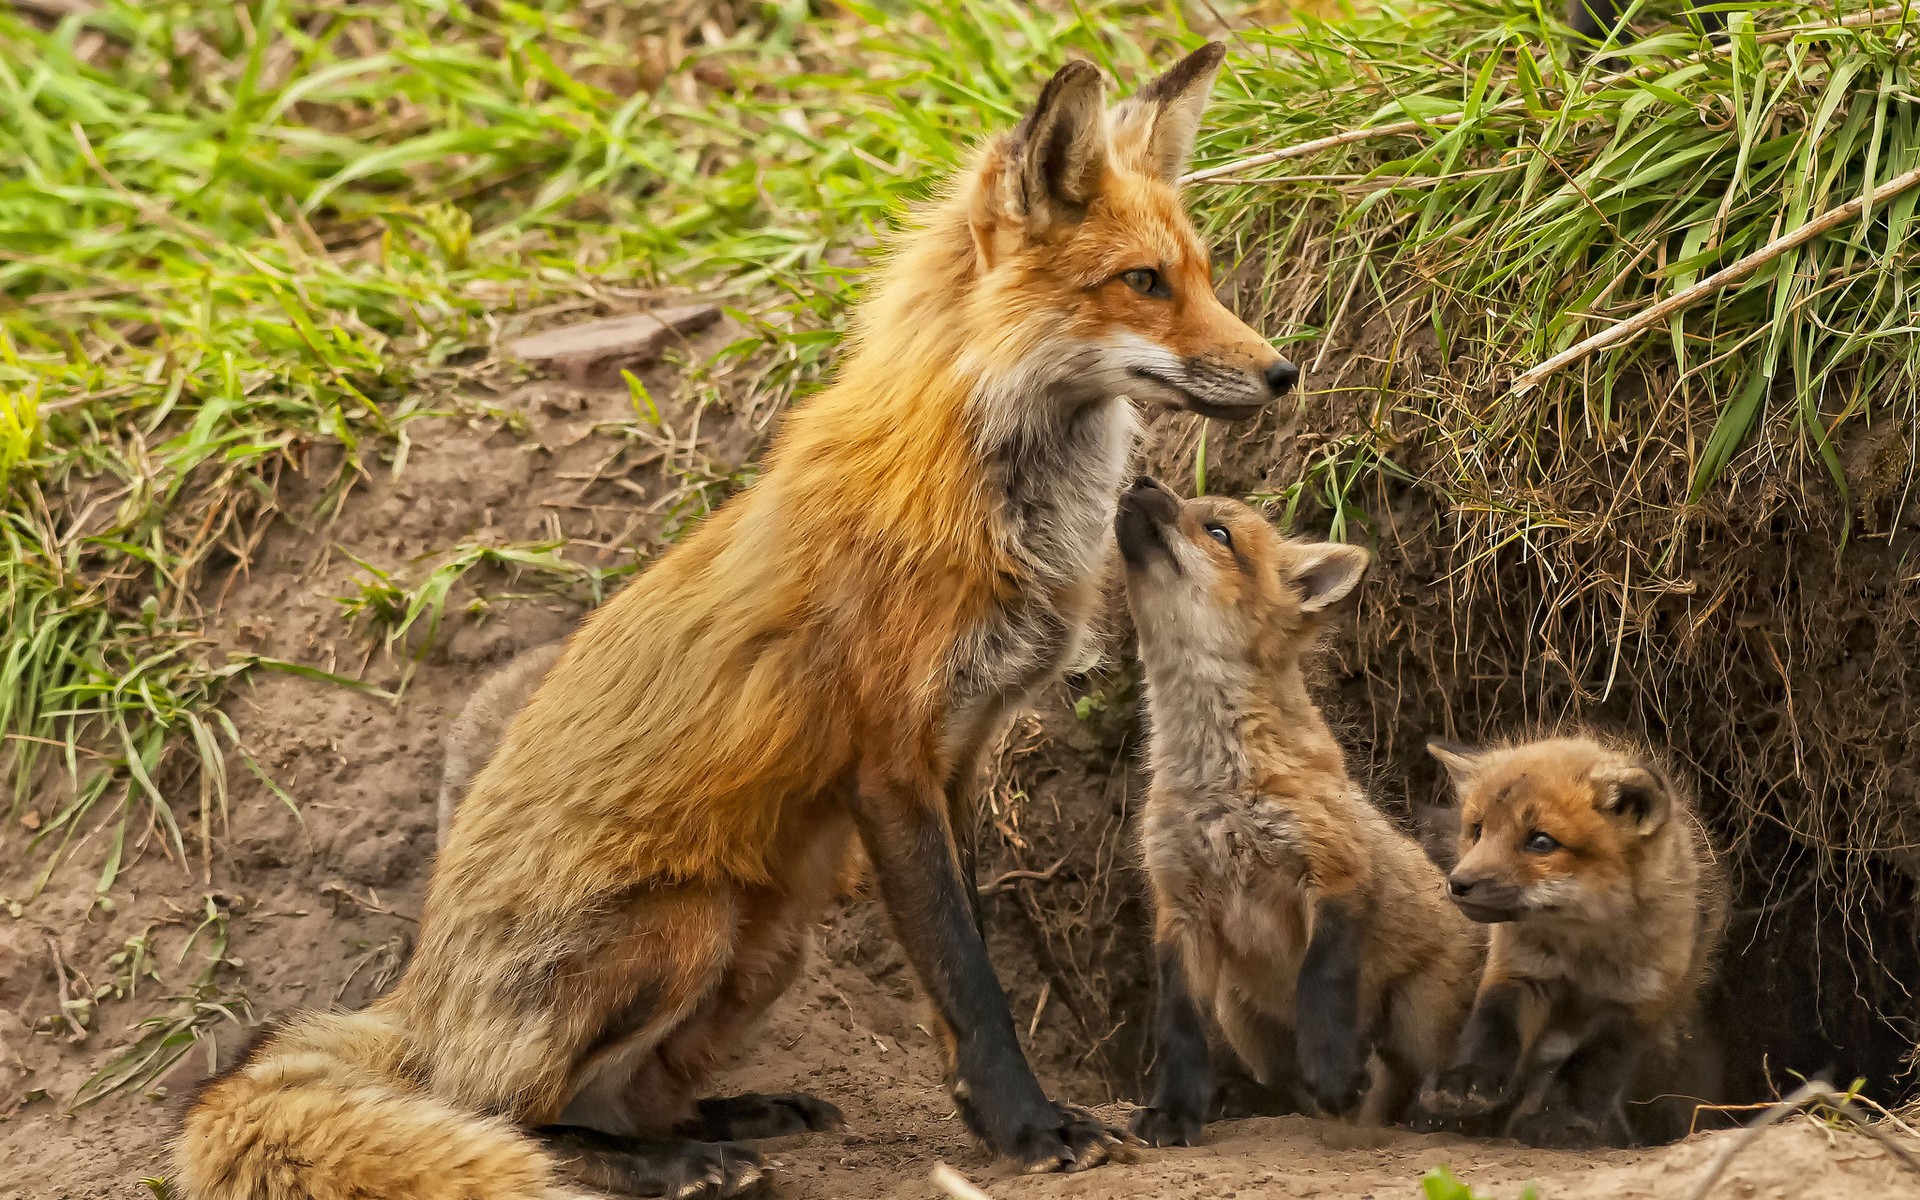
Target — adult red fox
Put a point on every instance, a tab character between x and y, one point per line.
632	878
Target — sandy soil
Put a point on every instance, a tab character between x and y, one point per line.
320	906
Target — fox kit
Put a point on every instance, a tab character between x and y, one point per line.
1288	910
632	878
1607	911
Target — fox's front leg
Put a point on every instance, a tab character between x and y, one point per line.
1182	1074
1585	1105
1481	1079
902	816
1333	1060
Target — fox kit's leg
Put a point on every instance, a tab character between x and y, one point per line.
1421	1028
1182	1080
1265	1044
1327	1003
1481	1079
1585	1105
902	816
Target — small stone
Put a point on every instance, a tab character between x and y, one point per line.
597	351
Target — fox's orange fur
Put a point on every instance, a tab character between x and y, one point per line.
1607	910
632	878
1290	915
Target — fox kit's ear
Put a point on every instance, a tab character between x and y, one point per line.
1327	573
1634	793
1057	154
1156	126
1460	761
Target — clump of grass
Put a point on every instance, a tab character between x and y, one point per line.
1442	1184
159	1041
391	608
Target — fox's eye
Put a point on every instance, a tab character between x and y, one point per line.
1541	843
1474	833
1218	533
1147	282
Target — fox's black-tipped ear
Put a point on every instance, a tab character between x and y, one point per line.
1460	761
1635	793
1058	153
1156	126
1328	572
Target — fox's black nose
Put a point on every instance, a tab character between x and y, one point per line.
1281	376
1460	886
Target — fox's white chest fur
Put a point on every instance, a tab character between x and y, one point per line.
1054	478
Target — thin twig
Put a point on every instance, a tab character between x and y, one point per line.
1011	877
1648	318
954	1184
66	997
371	902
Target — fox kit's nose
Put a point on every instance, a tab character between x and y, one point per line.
1462	885
1281	376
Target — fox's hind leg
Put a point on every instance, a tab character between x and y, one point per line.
775	934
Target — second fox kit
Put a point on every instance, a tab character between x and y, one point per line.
1288	911
1607	910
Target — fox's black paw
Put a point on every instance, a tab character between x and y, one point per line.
1466	1090
1166	1126
672	1168
1079	1140
752	1116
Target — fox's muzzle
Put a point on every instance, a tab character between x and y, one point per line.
1225	392
1483	899
1147	514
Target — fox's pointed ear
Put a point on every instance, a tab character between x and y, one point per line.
1055	157
1326	573
1460	761
1156	126
1635	793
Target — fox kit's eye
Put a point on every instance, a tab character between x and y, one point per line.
1541	843
1218	533
1147	282
1474	832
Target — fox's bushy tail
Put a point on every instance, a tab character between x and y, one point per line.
324	1109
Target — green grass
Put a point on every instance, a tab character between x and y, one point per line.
1547	198
232	237
1442	1184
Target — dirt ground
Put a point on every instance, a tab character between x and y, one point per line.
320	906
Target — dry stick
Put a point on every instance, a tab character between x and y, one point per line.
954	1184
1647	318
1814	1091
1300	149
66	996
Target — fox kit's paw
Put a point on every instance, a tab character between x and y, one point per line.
673	1168
1334	1075
1556	1127
1077	1141
1158	1126
751	1116
1465	1090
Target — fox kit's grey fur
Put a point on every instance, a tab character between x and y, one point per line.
482	722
